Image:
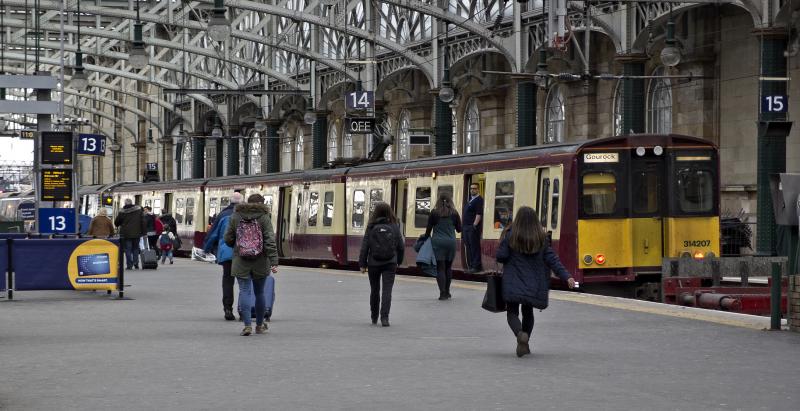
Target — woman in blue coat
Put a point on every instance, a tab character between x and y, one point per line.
443	222
527	262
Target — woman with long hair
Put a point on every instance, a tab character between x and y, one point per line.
443	223
382	251
527	261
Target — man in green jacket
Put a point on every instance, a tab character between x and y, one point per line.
251	272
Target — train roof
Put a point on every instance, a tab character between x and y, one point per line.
647	140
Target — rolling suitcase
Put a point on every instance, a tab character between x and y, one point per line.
269	299
148	256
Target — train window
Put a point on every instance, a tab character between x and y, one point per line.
599	193
148	203
189	211
375	196
543	202
359	198
213	207
556	196
157	206
422	207
503	203
313	208
224	202
695	190
445	190
180	210
327	217
268	203
299	209
646	191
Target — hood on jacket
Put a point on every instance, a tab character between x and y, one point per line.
130	208
251	211
379	220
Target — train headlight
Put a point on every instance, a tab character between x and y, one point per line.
587	259
640	151
710	254
698	255
658	150
600	259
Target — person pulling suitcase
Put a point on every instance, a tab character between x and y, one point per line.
148	255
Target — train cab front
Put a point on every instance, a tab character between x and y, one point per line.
643	198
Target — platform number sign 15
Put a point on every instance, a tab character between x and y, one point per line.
360	100
56	220
92	144
774	104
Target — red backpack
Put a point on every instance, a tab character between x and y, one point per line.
249	238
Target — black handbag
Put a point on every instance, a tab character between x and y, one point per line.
493	300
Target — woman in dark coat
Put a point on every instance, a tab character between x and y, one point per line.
527	262
381	252
443	223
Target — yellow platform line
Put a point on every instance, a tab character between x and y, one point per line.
675	311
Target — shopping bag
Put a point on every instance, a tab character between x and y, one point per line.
493	300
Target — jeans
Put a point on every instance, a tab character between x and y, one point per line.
376	273
165	254
445	275
227	285
512	315
247	287
131	252
472	243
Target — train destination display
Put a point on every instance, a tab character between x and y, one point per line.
56	185
57	147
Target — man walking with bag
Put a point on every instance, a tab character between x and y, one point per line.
131	224
215	243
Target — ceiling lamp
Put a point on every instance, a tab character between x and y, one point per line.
80	79
670	54
137	55
219	29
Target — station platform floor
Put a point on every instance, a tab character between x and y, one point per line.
169	348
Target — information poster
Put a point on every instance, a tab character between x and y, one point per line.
56	185
57	147
93	266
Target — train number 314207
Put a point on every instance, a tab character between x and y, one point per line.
697	243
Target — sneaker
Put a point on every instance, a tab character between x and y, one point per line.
261	329
246	331
522	344
442	297
229	314
384	322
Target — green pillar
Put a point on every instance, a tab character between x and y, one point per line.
526	113
443	135
319	152
633	96
771	148
233	157
273	147
220	143
198	157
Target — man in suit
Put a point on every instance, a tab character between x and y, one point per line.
473	219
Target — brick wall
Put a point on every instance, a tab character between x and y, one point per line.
794	303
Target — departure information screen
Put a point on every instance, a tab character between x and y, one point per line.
56	185
57	147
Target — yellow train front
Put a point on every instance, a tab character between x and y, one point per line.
643	198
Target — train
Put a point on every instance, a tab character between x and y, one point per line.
613	208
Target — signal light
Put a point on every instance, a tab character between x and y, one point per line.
600	259
698	255
587	259
108	200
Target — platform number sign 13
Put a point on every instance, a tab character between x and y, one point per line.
56	220
92	144
774	104
360	100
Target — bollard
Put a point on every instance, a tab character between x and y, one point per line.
775	298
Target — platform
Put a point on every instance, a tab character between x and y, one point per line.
170	349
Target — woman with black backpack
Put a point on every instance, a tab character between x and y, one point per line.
382	250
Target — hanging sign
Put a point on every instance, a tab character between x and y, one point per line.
57	220
56	185
26	211
360	100
419	139
774	104
359	125
92	144
56	147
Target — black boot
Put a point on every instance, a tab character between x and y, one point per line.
385	321
229	314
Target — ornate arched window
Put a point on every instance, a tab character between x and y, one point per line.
186	160
555	115
333	141
455	132
286	153
659	104
347	145
403	134
243	157
254	157
472	127
389	125
618	108
298	150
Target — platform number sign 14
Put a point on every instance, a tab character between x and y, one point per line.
774	104
92	144
56	220
360	100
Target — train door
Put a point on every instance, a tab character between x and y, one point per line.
284	210
469	179
542	206
137	199
168	202
647	210
399	201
